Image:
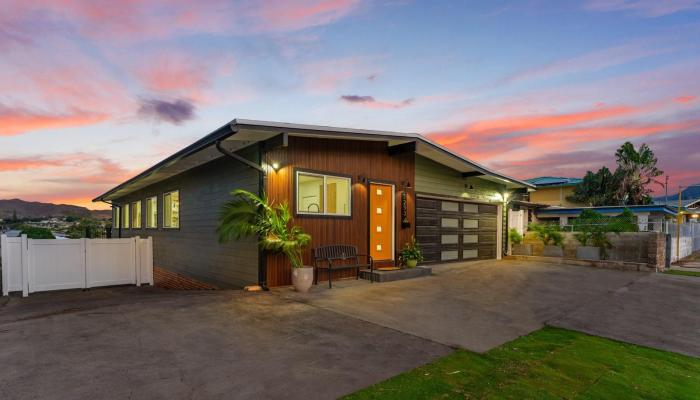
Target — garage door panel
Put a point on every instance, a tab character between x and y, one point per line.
455	230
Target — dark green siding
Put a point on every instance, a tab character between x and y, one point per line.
193	249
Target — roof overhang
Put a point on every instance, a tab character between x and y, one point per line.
241	133
574	211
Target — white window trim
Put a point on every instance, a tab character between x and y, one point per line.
132	214
155	202
179	209
325	194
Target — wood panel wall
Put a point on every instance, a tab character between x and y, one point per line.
344	157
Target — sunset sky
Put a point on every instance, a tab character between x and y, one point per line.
92	93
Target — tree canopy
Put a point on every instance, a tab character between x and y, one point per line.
630	184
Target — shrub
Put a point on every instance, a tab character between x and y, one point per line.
549	234
34	232
411	251
515	236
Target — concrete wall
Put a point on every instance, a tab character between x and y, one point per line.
193	249
637	247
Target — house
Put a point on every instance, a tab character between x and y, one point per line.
553	191
371	189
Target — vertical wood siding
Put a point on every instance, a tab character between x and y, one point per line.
344	157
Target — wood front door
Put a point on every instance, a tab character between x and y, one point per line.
381	222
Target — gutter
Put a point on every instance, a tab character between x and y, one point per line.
262	179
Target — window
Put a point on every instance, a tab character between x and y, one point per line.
171	209
125	217
319	194
152	212
136	215
116	217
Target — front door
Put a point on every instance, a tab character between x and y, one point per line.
381	222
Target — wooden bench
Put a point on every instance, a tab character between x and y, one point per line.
337	257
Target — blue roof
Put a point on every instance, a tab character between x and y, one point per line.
607	209
553	181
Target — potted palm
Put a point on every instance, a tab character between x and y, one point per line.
550	237
250	215
411	254
517	248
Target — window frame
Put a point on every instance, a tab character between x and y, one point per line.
136	205
126	216
116	217
155	203
179	202
325	176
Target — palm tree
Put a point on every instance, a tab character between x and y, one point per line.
637	169
248	215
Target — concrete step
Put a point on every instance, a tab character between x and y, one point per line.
396	275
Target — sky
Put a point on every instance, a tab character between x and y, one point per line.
94	92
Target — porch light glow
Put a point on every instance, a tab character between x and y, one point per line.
275	165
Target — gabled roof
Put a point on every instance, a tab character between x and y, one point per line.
553	181
241	133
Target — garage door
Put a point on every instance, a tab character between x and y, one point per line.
454	230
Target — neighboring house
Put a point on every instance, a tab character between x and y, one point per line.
371	189
553	191
649	217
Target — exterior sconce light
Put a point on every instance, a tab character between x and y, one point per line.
275	165
362	178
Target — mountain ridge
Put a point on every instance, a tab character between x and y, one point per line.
36	209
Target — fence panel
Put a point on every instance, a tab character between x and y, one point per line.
56	264
110	262
689	239
11	248
145	260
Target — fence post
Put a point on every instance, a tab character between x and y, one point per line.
86	259
137	259
5	265
25	266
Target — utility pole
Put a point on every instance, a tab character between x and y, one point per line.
666	187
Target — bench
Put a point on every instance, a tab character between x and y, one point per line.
339	256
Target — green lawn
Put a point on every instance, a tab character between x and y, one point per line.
682	272
549	364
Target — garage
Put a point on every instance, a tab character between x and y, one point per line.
451	230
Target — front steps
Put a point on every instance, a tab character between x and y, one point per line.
396	275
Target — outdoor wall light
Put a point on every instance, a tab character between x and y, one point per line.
362	178
275	165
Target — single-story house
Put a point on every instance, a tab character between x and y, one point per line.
553	191
371	189
649	217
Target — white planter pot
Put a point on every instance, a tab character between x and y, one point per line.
302	278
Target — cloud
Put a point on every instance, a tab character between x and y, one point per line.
644	8
174	112
685	99
15	121
24	163
371	102
286	15
594	61
327	76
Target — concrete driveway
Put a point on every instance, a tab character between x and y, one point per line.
480	305
131	343
148	343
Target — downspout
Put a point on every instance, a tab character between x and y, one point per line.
262	176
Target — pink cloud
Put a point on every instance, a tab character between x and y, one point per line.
281	15
326	76
685	99
17	121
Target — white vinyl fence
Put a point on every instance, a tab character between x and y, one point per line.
38	265
689	239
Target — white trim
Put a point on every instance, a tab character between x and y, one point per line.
325	194
393	216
